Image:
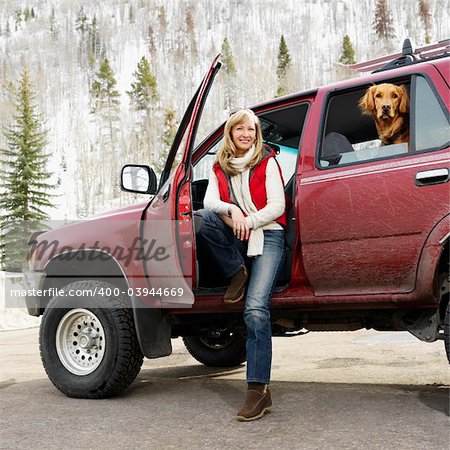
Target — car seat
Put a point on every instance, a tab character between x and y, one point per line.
334	146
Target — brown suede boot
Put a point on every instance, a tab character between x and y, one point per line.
257	402
236	290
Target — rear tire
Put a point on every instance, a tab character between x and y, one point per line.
447	332
444	301
88	344
219	349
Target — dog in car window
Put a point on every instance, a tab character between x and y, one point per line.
388	104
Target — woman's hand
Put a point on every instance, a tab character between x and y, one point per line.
238	223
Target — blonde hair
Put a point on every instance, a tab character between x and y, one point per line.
227	150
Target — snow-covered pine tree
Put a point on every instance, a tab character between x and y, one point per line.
144	91
53	26
24	175
144	97
170	127
103	89
82	26
425	17
283	66
18	18
94	43
105	105
131	14
27	14
227	59
348	52
229	70
81	22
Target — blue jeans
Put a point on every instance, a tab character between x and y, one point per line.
229	254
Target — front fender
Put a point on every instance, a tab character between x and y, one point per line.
153	325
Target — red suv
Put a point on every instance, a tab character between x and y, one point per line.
367	237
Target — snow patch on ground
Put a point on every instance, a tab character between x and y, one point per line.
17	317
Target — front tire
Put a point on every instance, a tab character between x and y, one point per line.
218	349
88	345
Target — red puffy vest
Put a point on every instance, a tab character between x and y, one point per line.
257	184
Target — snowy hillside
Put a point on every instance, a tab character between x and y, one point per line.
179	38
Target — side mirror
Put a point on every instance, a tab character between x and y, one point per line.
138	179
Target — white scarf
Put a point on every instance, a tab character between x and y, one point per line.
241	191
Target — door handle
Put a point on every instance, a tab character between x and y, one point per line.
433	176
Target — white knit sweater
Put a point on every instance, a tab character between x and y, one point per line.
265	217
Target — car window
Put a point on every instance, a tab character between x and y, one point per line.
351	137
282	129
287	158
431	122
202	168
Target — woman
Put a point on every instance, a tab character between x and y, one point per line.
243	221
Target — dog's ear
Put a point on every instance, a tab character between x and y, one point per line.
367	103
404	100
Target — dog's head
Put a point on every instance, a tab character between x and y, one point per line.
385	101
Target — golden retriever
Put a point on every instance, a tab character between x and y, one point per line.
388	104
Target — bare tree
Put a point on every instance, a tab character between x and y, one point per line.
425	17
383	22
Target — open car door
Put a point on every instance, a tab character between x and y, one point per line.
167	231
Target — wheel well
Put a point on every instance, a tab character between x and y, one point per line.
63	270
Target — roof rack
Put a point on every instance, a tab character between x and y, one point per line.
408	56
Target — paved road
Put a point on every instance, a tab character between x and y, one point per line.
331	390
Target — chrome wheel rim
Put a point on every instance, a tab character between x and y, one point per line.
80	341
